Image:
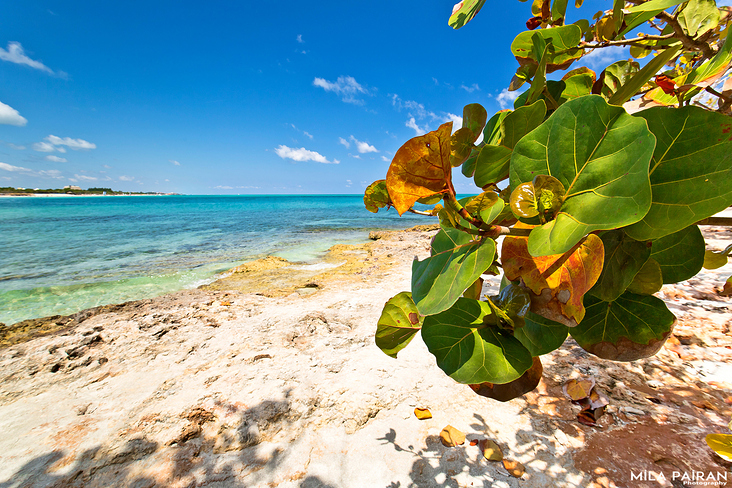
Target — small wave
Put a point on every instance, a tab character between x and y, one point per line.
318	266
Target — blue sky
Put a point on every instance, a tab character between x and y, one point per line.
237	97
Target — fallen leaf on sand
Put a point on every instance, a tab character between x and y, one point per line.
422	413
514	468
451	437
578	389
490	450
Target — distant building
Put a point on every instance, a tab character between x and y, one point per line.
72	187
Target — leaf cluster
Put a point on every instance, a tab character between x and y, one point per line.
597	181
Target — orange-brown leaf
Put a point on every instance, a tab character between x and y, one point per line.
420	168
451	437
578	389
559	281
422	413
514	468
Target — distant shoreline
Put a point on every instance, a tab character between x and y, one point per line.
24	195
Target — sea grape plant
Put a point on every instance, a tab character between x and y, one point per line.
597	182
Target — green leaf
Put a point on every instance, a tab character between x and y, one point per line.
616	75
655	6
398	324
680	255
629	328
648	280
463	12
633	85
461	144
376	196
456	262
601	156
474	118
520	122
486	206
698	16
564	41
624	257
721	444
540	335
691	169
492	131
714	260
559	10
471	352
491	166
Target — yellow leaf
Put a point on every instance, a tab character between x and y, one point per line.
420	168
422	413
490	450
721	444
451	437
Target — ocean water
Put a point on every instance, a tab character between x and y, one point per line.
59	255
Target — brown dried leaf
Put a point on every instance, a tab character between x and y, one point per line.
490	450
578	389
422	413
514	468
420	168
451	437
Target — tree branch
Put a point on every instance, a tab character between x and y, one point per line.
688	43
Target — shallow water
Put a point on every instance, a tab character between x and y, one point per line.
61	255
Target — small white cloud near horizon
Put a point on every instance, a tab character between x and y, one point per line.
51	173
362	147
175	163
471	88
345	86
86	178
344	142
126	178
10	167
506	98
302	154
16	54
10	116
384	158
56	159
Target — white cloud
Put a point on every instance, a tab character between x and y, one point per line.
86	178
16	147
471	88
9	167
75	144
344	142
600	58
126	178
345	86
56	159
363	147
384	158
51	173
43	147
10	116
302	154
412	124
506	98
414	109
457	121
176	163
307	134
15	54
299	39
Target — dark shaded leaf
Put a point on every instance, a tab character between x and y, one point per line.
514	389
468	350
624	257
539	335
680	255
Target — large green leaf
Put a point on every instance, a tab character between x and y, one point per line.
648	280
564	41
493	160
468	350
624	257
691	169
601	155
698	16
680	255
634	84
464	11
576	83
540	335
474	118
456	262
643	12
398	324
629	328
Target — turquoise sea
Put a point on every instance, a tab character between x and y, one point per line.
59	255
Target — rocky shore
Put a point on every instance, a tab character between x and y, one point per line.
270	377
